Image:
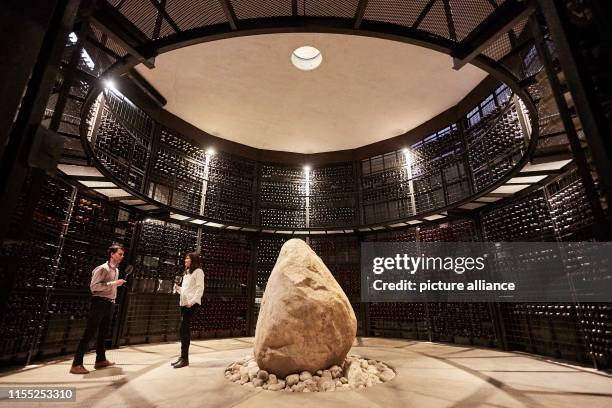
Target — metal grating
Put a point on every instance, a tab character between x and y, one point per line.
519	27
165	29
338	8
248	9
96	33
115	47
468	14
499	47
102	61
398	12
435	22
192	14
142	13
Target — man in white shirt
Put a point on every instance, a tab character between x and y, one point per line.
103	287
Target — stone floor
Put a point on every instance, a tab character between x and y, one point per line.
429	375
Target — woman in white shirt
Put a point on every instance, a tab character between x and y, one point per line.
191	292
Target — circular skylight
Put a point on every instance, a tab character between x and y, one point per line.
306	58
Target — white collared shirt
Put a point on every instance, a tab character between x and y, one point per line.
192	288
104	281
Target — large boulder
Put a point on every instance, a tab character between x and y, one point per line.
306	322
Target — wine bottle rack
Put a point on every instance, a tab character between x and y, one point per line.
268	248
19	323
226	260
123	138
549	329
399	320
570	208
459	231
528	219
342	256
220	318
462	324
432	174
595	322
64	323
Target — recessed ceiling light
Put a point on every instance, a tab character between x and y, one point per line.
509	188
98	184
488	199
472	205
434	217
112	192
526	179
549	166
306	58
110	84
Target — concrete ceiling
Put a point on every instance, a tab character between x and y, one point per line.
366	90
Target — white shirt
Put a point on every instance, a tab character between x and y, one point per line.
104	281
192	288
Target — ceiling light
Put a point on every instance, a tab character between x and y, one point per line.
80	171
210	151
434	217
112	192
526	179
509	189
472	205
488	199
548	166
147	207
307	168
133	202
98	184
306	58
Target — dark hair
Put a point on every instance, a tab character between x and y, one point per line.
112	249
195	261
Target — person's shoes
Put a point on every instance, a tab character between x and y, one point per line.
78	369
181	363
175	362
102	364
